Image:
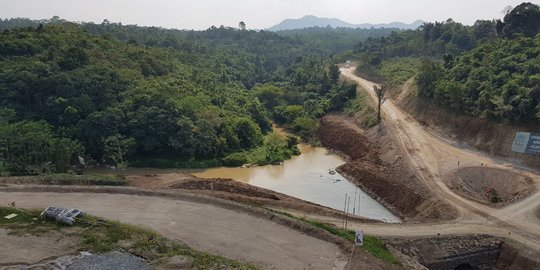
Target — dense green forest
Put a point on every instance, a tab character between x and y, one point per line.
489	69
112	93
499	79
69	90
332	41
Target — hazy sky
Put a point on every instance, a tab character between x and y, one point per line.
258	14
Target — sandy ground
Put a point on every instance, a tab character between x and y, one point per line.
33	249
483	184
433	156
202	226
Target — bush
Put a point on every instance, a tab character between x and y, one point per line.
305	127
235	160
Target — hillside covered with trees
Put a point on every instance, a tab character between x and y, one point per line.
70	90
489	69
173	98
498	79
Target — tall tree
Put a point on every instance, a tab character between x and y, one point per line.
379	91
242	25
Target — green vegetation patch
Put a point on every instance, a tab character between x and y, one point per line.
97	235
86	179
360	108
274	150
372	244
67	179
398	70
497	80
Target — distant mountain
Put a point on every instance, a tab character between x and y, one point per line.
312	21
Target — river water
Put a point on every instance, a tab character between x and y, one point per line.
310	176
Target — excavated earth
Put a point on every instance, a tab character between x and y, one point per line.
490	186
377	166
232	190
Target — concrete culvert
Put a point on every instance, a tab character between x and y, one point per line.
495	187
466	266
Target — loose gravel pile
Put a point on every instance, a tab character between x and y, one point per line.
109	261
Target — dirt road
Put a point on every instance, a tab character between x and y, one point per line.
433	156
204	227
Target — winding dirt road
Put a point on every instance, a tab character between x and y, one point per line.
433	156
205	227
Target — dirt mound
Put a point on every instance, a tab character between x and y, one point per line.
158	180
229	189
226	185
491	186
378	167
355	147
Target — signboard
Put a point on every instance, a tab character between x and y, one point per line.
359	238
527	143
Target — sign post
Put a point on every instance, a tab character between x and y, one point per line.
526	143
358	241
359	238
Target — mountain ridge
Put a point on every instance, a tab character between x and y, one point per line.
314	21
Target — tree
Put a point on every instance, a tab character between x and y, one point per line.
270	95
116	148
523	19
249	134
334	73
305	127
379	91
242	25
427	77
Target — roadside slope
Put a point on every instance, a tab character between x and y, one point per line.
204	227
432	157
377	165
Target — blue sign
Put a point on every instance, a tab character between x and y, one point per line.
527	143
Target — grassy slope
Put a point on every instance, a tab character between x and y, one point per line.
372	244
98	235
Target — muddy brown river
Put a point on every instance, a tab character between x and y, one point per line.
310	176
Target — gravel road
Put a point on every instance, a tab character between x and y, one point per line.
204	227
109	261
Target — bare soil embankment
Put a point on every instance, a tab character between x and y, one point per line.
378	167
227	189
482	134
494	187
232	190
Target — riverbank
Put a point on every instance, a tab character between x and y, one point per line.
276	147
377	166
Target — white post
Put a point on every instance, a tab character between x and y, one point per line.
344	209
354	203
